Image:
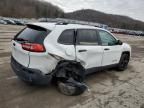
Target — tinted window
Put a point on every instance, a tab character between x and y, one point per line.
67	37
33	34
107	38
87	37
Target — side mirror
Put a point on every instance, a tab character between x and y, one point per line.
119	42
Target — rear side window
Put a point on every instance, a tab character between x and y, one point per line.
33	34
87	37
67	37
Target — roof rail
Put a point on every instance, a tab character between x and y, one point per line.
69	22
62	23
81	23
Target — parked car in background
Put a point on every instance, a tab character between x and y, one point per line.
2	21
18	22
9	21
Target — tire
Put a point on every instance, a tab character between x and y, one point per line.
123	62
69	77
28	83
71	88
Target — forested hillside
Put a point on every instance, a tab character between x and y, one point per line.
29	9
109	19
40	8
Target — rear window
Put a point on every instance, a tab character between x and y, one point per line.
33	34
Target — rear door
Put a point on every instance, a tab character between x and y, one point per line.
88	51
31	34
66	42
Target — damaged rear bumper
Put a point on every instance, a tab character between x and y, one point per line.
33	76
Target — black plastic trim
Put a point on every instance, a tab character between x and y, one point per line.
97	69
33	76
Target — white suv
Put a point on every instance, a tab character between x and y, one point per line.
40	47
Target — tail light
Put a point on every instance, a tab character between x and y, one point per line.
33	47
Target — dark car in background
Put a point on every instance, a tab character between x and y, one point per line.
9	21
17	22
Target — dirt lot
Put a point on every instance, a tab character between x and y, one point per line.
107	89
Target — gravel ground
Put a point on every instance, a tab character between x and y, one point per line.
107	89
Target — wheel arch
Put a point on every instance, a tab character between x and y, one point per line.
64	65
126	52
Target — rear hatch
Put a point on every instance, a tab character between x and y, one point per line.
28	40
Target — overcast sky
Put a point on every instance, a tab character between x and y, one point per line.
132	8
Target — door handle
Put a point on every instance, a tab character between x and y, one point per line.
106	49
82	50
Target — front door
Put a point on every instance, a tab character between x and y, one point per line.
111	50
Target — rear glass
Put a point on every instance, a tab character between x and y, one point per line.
67	37
33	34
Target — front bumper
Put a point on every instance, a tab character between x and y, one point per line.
33	76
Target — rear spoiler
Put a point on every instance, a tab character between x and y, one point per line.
36	27
47	26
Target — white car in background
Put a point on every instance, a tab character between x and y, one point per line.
39	48
2	22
